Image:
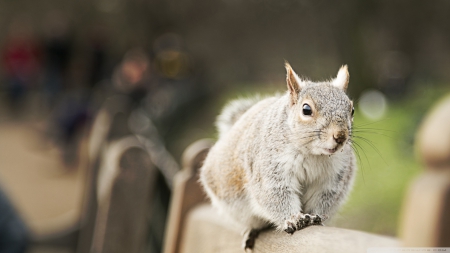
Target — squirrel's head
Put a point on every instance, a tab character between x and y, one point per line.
320	113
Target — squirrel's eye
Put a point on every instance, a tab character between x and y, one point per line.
353	110
307	111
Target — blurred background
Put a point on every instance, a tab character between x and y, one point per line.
180	61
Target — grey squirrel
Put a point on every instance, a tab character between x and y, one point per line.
284	161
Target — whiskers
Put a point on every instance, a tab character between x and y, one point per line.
359	141
309	136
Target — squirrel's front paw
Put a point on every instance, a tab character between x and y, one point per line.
302	220
296	222
289	226
317	219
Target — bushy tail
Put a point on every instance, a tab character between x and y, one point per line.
232	112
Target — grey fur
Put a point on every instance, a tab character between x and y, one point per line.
274	165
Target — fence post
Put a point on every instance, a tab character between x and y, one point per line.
187	193
426	214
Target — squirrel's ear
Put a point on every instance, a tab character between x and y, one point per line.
294	83
342	78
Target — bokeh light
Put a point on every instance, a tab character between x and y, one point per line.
373	104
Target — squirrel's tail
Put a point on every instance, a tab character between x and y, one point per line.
232	112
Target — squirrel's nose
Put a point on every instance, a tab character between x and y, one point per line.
339	137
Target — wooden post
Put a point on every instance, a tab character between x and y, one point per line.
187	193
109	123
126	183
426	214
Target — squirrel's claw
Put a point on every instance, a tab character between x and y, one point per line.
317	220
289	227
249	239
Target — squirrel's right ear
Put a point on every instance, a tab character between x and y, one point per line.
294	83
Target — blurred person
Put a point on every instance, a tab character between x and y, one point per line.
171	60
98	42
71	114
58	54
14	235
65	91
132	80
180	87
68	120
133	76
172	67
21	62
135	79
76	104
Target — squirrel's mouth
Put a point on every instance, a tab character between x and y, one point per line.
331	151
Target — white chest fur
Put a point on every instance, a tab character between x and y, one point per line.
314	175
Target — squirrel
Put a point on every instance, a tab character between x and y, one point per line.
284	161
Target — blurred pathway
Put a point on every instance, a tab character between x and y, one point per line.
48	195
